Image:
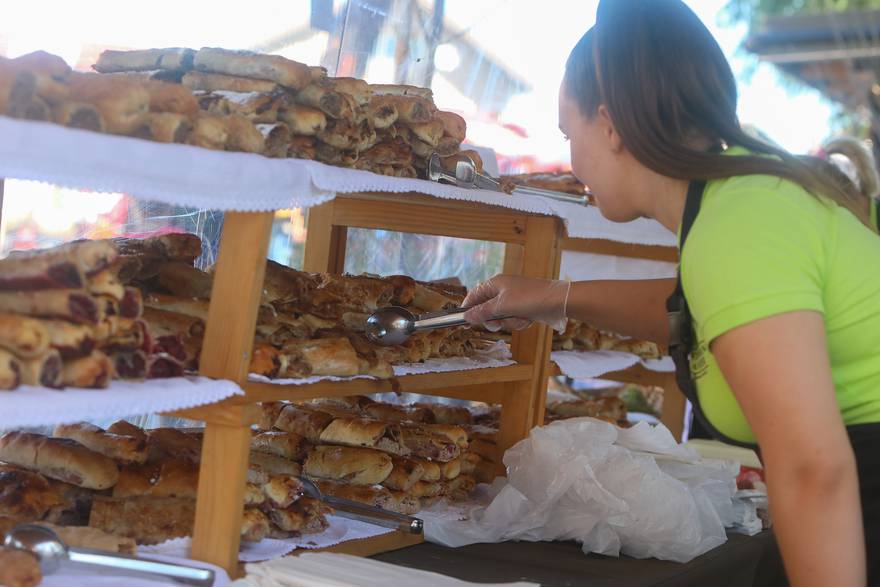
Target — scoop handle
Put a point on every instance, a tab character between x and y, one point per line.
189	575
445	319
354	510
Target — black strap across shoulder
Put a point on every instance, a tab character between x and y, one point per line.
681	330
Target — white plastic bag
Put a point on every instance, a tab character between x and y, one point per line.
633	491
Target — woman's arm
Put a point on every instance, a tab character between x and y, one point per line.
634	308
779	371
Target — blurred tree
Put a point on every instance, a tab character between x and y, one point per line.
751	11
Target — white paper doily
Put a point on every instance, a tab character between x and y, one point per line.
214	180
28	406
594	364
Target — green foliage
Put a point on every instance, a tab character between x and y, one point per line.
751	11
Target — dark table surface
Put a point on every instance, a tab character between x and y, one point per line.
553	564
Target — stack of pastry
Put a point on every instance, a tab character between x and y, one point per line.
66	319
238	101
308	324
140	484
583	337
40	86
393	457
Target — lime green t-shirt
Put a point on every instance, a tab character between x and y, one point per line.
763	246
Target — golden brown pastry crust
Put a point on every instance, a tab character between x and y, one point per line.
122	103
44	370
303	120
93	371
173	58
10	370
285	72
358	466
276	137
283	444
78	115
171	443
174	98
209	132
199	81
19	568
353	432
303	421
120	448
242	135
26	337
169	127
147	520
60	459
282	490
168	478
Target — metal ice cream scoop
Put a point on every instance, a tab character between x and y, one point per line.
51	552
355	510
394	325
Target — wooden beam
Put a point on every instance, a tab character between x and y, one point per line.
616	249
226	353
325	241
235	296
487	224
220	503
428	384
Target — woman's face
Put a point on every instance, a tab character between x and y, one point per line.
597	157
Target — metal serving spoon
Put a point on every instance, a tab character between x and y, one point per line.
364	513
394	325
51	552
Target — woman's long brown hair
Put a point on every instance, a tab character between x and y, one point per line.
665	82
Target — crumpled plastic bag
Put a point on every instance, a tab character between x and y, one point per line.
632	491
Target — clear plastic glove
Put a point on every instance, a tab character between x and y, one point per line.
525	298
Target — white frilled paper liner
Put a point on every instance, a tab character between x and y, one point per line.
39	406
594	364
214	180
340	530
329	569
498	355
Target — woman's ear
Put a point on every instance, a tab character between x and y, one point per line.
608	129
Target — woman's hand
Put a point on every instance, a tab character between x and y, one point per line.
522	299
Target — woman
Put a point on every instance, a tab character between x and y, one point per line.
780	274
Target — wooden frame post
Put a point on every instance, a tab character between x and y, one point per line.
226	353
325	242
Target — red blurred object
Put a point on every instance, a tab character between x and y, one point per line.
748	476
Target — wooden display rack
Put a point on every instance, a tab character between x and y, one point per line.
672	415
520	388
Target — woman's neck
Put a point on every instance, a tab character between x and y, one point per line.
664	200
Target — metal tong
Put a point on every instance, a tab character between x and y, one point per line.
51	552
364	513
467	176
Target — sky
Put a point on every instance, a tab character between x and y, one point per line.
534	39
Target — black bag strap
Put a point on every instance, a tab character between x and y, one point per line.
681	332
877	214
691	209
680	325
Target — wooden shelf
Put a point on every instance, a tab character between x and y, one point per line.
370	546
428	384
636	374
520	389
